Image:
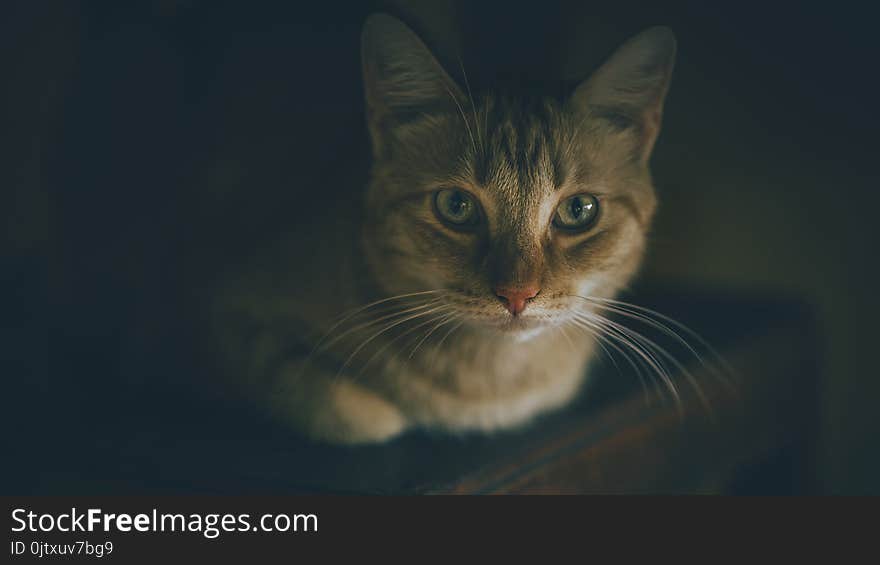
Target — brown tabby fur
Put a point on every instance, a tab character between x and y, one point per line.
437	349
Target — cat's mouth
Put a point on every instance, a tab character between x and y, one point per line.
520	326
496	317
524	324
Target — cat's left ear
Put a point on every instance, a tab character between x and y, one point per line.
629	89
402	79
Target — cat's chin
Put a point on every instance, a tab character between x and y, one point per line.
520	328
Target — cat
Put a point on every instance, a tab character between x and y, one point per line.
451	290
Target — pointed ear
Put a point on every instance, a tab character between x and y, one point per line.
401	78
630	87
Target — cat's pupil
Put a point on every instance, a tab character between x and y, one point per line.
576	208
458	205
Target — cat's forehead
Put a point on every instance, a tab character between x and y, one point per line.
521	152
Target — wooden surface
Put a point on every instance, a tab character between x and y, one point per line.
755	436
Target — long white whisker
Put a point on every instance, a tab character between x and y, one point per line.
561	328
645	354
643	314
445	320
648	344
358	309
375	321
598	332
473	105
407	332
602	341
443	339
383	330
348	315
647	321
466	123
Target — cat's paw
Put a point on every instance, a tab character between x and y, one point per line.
359	416
344	413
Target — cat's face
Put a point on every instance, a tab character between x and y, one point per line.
512	207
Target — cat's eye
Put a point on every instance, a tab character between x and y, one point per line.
456	207
577	213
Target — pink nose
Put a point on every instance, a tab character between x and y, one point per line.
515	298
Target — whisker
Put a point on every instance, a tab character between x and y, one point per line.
644	353
601	342
359	309
597	332
648	344
711	368
461	111
473	106
407	332
375	321
383	330
642	314
445	320
443	339
561	329
323	345
719	368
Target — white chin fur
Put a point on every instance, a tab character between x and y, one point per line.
525	335
588	286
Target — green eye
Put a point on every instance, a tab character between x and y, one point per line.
577	212
456	207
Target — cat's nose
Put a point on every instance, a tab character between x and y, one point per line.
515	298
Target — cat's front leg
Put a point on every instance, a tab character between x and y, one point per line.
331	409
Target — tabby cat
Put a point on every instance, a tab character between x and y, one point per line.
454	290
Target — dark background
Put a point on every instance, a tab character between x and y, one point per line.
132	130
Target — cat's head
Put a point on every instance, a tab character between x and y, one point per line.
512	207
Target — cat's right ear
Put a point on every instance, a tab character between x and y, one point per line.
629	89
402	79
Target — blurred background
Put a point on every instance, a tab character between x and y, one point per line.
128	125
